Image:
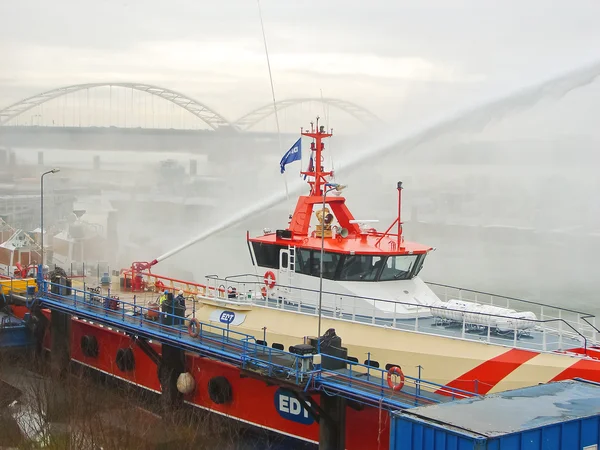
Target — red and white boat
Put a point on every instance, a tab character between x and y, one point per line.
371	294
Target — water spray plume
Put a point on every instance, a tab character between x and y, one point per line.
470	119
477	117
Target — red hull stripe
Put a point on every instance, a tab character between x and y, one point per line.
485	376
585	368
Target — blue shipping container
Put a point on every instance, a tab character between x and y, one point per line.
564	415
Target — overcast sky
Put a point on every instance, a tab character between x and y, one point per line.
395	57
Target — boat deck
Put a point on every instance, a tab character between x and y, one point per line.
356	381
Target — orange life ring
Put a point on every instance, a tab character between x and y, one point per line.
269	279
395	370
263	291
194	328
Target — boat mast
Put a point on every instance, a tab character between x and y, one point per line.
317	147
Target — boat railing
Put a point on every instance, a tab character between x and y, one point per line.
378	384
555	328
582	321
228	344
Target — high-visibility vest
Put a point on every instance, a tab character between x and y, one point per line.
163	298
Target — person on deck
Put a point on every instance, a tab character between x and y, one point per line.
180	306
163	298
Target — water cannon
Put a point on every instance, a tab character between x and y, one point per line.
138	266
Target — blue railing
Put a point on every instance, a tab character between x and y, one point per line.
360	382
372	383
229	345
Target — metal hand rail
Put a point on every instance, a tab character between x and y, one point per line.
381	376
531	302
236	347
577	332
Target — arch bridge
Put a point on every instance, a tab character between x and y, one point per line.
206	114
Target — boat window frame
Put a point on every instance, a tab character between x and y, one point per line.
410	274
257	246
304	267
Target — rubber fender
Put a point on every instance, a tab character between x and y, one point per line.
125	360
219	390
186	383
89	346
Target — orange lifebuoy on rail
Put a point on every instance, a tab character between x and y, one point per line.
395	370
194	328
263	292
269	279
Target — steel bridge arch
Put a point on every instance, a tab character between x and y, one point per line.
250	119
203	112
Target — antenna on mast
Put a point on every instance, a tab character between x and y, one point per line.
262	26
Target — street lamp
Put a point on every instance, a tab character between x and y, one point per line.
332	187
41	266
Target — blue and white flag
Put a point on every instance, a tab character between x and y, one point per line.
293	154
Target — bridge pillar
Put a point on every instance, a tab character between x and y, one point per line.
332	427
60	347
171	366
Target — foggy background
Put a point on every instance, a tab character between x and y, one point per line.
509	203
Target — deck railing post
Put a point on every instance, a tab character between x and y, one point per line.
416	319
515	335
464	324
560	327
544	337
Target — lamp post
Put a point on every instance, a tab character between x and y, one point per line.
332	187
41	265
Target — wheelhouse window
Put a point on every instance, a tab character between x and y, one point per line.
267	255
399	267
360	268
342	267
308	262
330	263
